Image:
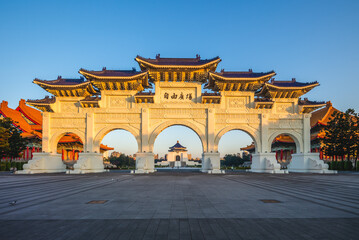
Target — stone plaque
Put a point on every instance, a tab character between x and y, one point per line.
178	95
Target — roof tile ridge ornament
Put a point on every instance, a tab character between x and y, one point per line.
293	80
159	60
92	98
104	70
30	113
262	99
60	78
4	104
250	71
142	93
329	107
46	99
16	117
205	93
306	101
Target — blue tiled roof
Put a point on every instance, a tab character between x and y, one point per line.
177	145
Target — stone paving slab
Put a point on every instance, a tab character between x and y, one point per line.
228	228
175	205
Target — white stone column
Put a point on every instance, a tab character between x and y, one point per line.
211	162
306	133
266	148
210	130
144	130
88	163
307	162
47	161
44	163
89	134
46	132
145	161
264	161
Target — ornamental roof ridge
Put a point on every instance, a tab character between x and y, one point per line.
257	99
150	93
47	99
211	94
197	61
30	113
323	115
305	101
92	98
242	74
290	83
112	73
17	119
62	81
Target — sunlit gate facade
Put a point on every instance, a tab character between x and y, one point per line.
105	100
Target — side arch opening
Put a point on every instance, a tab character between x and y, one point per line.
236	147
119	148
284	145
69	145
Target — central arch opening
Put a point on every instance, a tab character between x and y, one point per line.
121	147
178	147
236	148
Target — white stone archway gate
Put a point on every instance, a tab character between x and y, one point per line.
110	99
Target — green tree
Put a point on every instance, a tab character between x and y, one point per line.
16	144
234	160
4	142
354	133
342	135
123	161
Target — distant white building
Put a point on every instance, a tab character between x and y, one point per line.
177	157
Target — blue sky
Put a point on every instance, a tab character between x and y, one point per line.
309	40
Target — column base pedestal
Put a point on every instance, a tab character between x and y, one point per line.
308	163
145	163
44	163
265	163
88	163
211	163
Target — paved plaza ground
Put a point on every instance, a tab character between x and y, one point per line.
179	205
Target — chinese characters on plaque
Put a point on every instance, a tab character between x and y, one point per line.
179	96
